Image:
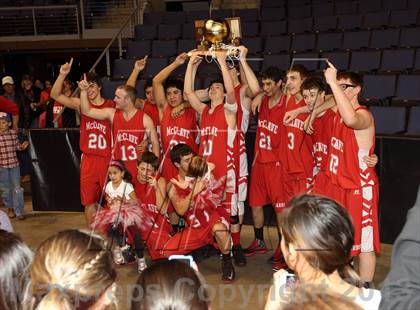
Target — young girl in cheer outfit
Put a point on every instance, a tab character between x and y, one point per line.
121	219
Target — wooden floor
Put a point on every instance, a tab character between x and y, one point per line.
248	291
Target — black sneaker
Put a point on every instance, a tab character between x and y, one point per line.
128	255
228	272
238	255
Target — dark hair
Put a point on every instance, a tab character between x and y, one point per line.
198	167
120	165
303	71
272	73
92	77
321	224
169	284
174	82
355	78
217	80
313	83
15	260
180	150
149	158
148	83
130	91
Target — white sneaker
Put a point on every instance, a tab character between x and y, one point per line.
117	256
141	264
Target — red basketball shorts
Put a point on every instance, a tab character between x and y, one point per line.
93	176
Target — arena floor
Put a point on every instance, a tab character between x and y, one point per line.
247	292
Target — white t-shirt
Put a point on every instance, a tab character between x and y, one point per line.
5	222
123	189
369	299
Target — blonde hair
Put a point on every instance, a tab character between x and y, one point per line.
71	270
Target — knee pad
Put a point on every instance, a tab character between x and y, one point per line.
234	219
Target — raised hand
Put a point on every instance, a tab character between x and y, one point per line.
290	116
243	51
330	73
307	126
141	63
65	69
181	58
195	59
221	56
142	146
83	84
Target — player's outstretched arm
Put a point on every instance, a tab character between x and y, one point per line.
151	130
86	109
56	91
247	75
138	67
227	80
161	200
192	98
354	119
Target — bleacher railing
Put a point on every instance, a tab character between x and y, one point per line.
56	22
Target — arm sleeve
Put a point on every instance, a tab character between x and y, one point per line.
401	289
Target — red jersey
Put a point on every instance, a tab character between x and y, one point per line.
321	137
217	142
95	135
146	196
297	151
270	124
152	110
346	167
127	135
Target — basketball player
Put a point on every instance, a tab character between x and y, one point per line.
218	131
95	139
353	183
130	125
267	172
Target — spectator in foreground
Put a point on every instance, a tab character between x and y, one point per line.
73	270
5	223
317	240
15	259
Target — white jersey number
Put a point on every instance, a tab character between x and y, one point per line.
128	152
96	141
334	163
265	142
207	147
291	144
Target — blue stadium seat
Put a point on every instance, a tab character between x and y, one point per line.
378	87
272	3
299	12
188	31
186	45
154	65
175	17
403	18
153	18
221	14
273	28
350	22
275	45
413	4
376	20
254	62
325	23
251	29
385	38
282	61
397	60
417	61
300	25
272	13
140	88
413	127
365	60
356	40
329	41
109	87
145	32
410	37
138	48
370	6
169	32
123	68
339	59
164	48
388	120
311	65
345	7
248	15
254	45
394	4
192	16
408	87
323	9
303	42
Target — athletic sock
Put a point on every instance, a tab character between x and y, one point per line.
236	238
259	233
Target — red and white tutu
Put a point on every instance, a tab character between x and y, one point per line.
212	195
130	215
